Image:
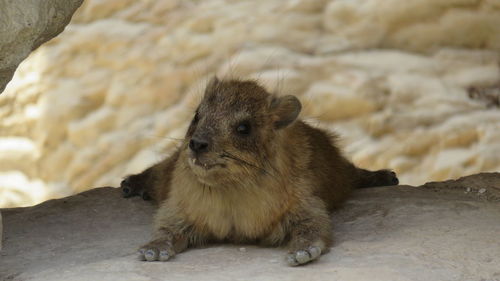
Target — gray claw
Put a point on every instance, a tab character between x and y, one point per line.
151	255
165	255
290	260
303	256
314	251
140	255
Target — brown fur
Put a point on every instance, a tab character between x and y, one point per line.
275	185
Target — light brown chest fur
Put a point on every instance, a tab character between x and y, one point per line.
240	213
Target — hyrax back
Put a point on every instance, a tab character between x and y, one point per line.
248	171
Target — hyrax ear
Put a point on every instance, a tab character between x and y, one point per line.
284	110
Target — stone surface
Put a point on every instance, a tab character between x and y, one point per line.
388	233
112	93
25	25
419	25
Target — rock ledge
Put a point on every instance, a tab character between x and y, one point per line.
439	231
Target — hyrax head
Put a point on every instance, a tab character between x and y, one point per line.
233	132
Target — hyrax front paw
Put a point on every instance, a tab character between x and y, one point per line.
303	256
158	250
133	186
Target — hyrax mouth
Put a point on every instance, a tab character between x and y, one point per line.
206	165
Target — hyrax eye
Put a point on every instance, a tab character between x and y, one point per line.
243	128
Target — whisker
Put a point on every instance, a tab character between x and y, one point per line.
277	172
157	137
231	156
169	138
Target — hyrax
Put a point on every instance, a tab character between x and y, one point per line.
248	171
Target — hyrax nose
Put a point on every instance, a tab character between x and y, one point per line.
198	145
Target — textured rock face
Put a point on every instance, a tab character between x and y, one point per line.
445	232
420	25
110	95
25	25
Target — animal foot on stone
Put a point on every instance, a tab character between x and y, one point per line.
156	251
303	256
385	178
392	178
132	187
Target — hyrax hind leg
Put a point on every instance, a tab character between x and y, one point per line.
139	185
367	178
153	183
309	229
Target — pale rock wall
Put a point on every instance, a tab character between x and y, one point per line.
111	95
25	25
